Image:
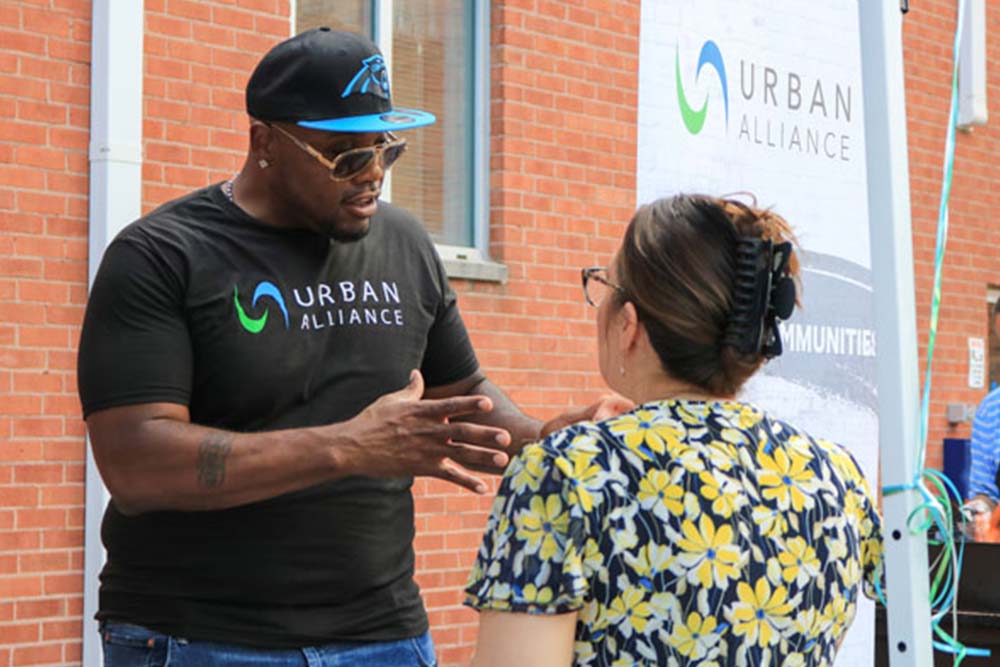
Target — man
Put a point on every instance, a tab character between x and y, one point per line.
985	451
246	370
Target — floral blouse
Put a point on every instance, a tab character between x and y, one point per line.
684	533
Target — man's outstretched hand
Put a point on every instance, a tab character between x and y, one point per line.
403	434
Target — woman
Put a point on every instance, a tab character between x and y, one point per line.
694	529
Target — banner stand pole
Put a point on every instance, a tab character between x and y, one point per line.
906	564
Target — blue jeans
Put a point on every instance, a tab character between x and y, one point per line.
127	645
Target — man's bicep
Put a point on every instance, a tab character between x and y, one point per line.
119	435
449	358
135	346
112	427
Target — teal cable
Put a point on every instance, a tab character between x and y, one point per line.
942	237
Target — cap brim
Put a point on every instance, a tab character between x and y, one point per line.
389	121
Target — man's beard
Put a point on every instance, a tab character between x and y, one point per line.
348	235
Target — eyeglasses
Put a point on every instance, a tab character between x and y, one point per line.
596	285
345	166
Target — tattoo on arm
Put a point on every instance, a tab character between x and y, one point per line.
212	455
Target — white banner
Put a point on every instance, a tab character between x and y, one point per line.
766	97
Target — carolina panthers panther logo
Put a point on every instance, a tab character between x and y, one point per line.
371	78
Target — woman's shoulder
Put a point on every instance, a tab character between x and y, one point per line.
581	440
574	452
797	440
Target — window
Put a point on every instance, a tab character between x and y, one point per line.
436	51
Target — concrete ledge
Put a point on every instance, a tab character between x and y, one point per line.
475	269
469	264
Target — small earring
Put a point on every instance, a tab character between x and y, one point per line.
264	164
621	370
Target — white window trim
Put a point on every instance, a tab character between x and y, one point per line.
478	260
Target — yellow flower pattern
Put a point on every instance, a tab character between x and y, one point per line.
542	525
760	614
695	636
648	431
709	555
788	477
659	494
799	561
579	468
630	611
684	533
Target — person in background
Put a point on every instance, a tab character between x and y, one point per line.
695	529
265	365
987	526
983	493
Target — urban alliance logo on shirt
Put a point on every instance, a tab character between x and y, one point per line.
347	303
264	288
694	120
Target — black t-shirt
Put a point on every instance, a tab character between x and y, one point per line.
256	328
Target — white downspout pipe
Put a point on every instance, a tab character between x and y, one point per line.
907	588
115	200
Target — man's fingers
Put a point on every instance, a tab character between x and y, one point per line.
489	437
415	388
452	473
456	406
477	458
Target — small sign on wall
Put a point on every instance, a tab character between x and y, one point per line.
977	363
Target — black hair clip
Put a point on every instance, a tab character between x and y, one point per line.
764	293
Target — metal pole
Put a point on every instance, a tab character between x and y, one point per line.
115	188
906	565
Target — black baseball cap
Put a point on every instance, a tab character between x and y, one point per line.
331	80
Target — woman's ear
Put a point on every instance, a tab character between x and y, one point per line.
630	328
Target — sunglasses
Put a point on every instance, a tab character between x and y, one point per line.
345	166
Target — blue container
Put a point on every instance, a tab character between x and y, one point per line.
958	463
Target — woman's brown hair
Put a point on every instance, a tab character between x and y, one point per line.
677	266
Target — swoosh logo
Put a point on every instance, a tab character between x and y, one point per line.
264	288
694	119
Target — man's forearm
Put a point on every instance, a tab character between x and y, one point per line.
523	428
171	464
153	458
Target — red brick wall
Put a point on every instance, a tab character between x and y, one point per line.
44	100
199	56
562	186
972	261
